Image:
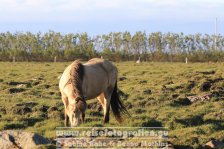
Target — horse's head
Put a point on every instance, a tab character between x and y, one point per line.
75	110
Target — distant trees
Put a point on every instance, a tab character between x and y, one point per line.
115	46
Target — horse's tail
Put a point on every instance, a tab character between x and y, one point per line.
117	106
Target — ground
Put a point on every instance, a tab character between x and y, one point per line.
155	94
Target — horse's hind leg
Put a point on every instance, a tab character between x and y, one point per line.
107	112
103	102
107	100
101	99
65	101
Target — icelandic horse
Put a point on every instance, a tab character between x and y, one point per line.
80	82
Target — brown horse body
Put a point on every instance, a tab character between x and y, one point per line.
80	82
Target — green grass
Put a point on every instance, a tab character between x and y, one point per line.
154	93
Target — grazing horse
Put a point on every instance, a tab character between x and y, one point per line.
80	82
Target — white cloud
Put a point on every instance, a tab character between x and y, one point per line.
113	12
107	10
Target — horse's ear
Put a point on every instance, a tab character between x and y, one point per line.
77	99
74	101
82	105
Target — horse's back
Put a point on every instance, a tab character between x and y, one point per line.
99	75
97	61
97	65
101	63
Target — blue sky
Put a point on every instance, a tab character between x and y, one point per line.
104	16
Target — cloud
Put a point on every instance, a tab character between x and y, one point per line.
81	10
125	14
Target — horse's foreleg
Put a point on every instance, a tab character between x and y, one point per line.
83	117
66	119
65	101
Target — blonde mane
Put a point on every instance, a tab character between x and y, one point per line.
76	77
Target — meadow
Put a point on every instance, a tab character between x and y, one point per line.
155	94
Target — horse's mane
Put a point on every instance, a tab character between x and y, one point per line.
76	77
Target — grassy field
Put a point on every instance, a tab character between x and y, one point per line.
155	94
